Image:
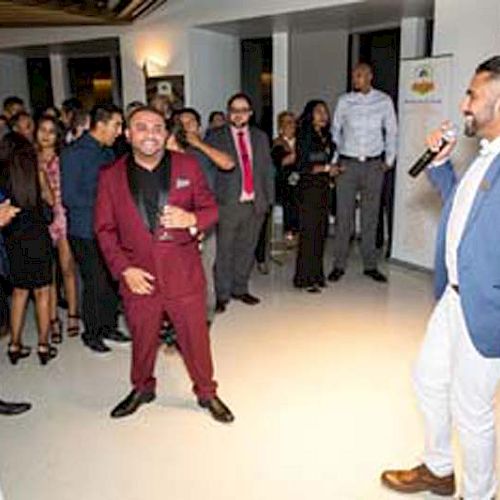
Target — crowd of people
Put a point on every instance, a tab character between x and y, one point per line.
55	247
148	208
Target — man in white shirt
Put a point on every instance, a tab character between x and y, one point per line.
365	133
458	368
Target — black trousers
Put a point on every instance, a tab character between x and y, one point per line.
99	297
290	209
386	213
262	251
313	211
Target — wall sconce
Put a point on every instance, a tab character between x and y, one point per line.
153	67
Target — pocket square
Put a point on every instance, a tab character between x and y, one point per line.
182	183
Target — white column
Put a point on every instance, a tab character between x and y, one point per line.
470	33
280	74
134	85
413	37
59	78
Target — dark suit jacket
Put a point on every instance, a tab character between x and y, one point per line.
228	183
124	237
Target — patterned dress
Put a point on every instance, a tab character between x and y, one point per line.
58	227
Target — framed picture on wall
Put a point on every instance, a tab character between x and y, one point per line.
170	86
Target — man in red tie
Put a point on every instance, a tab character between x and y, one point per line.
244	195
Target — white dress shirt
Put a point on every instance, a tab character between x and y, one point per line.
365	125
463	201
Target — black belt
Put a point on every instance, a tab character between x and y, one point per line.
456	288
361	159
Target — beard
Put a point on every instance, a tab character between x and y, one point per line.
470	126
239	125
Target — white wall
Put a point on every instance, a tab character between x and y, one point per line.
281	74
318	67
214	70
471	34
14	79
166	43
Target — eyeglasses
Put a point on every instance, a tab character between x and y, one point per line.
240	111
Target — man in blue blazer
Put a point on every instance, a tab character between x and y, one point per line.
458	368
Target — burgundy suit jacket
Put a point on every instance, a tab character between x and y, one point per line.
125	240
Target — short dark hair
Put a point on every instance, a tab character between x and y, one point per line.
71	104
11	101
133	105
213	114
192	112
491	65
79	118
142	109
14	120
103	113
239	95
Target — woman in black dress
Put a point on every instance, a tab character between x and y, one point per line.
314	153
28	243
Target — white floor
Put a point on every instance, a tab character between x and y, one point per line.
320	386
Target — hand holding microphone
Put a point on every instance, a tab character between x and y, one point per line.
440	143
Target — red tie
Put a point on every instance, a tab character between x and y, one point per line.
247	164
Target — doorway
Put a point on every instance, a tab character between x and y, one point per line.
257	79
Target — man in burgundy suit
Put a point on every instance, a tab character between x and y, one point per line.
151	206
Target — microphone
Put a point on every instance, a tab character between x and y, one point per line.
449	135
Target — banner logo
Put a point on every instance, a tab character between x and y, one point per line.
423	80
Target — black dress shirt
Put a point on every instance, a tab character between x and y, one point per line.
150	189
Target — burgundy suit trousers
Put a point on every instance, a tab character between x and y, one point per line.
144	315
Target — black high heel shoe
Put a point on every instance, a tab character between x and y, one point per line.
15	352
73	331
56	331
46	352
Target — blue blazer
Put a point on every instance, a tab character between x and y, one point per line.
478	256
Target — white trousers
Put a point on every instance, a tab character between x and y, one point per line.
456	385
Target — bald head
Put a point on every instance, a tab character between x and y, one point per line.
362	76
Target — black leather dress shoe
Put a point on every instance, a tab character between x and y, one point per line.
375	275
220	306
217	409
96	345
248	299
131	403
115	335
13	408
336	274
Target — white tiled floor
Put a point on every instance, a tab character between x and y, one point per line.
320	386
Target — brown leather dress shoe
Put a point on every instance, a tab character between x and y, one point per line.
417	480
